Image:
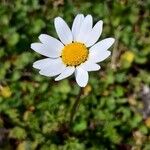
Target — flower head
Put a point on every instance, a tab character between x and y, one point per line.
76	52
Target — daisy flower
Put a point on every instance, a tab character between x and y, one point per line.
76	52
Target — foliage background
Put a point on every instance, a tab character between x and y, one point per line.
34	110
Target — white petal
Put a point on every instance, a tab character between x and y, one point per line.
66	73
90	66
96	56
63	31
76	25
85	29
81	76
49	51
98	52
49	67
55	46
43	63
41	49
94	34
104	44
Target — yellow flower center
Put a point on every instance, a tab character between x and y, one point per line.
74	54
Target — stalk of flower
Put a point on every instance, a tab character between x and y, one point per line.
77	52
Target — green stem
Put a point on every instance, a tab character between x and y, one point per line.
75	106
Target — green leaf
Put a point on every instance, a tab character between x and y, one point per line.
80	126
18	133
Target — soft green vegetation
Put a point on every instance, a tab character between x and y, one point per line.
34	110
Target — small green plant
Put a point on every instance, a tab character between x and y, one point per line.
34	110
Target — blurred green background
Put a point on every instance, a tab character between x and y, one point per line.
114	112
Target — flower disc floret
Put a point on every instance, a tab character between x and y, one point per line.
74	54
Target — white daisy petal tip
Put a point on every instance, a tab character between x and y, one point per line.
90	16
32	46
101	21
41	73
80	15
37	47
49	67
63	31
57	18
111	40
66	73
90	66
84	29
94	34
76	25
56	79
98	67
34	65
108	54
81	76
42	37
101	25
